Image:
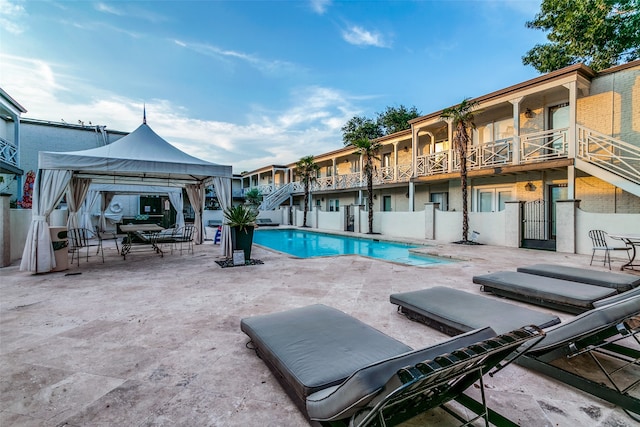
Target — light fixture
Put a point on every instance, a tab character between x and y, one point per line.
529	114
406	149
375	197
529	186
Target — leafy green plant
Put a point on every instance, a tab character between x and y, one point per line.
240	216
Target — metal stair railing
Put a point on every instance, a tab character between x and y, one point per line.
609	153
275	198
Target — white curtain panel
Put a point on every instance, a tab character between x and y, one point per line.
87	208
196	197
38	256
223	191
178	204
107	197
76	193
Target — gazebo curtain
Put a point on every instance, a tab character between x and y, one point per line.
87	208
38	253
178	205
107	197
76	193
196	197
223	190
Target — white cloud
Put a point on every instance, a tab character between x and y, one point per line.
130	11
310	125
9	16
359	36
264	65
320	6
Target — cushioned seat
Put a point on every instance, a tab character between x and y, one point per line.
338	369
572	297
453	311
617	281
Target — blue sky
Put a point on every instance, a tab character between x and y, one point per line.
254	83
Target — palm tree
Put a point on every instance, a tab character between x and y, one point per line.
253	198
461	117
361	133
307	169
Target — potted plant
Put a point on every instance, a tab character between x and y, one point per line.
242	221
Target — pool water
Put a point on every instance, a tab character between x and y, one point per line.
308	244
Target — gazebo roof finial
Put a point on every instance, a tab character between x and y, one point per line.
144	114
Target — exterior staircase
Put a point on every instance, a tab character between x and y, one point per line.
276	198
610	159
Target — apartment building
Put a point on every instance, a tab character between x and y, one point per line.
572	134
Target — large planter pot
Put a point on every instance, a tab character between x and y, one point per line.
242	238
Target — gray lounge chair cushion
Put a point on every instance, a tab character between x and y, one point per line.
463	311
562	294
589	323
342	401
317	346
616	298
620	282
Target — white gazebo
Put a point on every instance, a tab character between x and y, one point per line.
141	158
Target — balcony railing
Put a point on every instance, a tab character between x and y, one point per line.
609	153
432	164
545	145
8	152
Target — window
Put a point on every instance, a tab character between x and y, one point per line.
493	131
386	203
334	205
492	199
442	198
329	171
386	160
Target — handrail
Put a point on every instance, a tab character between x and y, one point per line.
544	145
609	153
8	152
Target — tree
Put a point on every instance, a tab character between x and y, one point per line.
307	169
461	117
598	33
396	119
361	132
253	198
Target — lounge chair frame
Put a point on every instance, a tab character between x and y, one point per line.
602	344
432	383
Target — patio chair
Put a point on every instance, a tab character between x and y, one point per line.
108	235
184	238
83	238
599	241
587	352
340	371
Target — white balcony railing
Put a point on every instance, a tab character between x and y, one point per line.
545	145
8	152
432	164
609	153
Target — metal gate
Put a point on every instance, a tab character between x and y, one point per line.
536	230
350	218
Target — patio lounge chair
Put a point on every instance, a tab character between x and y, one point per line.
620	282
563	295
340	371
454	312
570	351
266	222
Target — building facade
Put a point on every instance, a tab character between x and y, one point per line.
572	134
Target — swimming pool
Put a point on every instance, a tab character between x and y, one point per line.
308	244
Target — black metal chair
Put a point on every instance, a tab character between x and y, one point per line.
599	240
80	238
184	236
108	235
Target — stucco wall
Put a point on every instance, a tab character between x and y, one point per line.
20	221
611	223
400	224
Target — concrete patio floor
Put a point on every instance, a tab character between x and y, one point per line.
154	341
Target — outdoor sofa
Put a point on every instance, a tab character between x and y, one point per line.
597	351
340	371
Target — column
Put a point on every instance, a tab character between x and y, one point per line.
516	130
412	190
5	230
571	134
566	225
430	220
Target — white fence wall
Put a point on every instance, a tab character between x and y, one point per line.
400	224
490	225
20	221
448	226
611	223
330	220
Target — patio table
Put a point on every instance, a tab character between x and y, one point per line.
632	240
148	230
